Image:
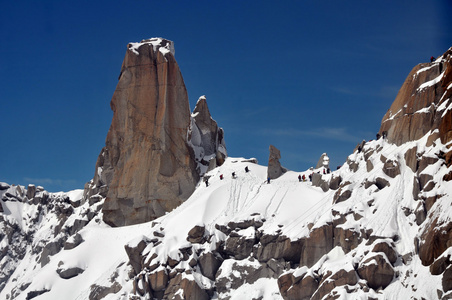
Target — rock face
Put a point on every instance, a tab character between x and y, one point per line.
148	165
207	139
420	104
274	166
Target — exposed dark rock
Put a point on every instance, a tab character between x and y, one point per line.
73	242
293	288
376	271
274	166
134	252
440	265
319	243
335	182
98	292
411	159
447	279
391	168
436	238
196	235
384	247
277	247
329	282
33	294
239	246
69	272
324	161
381	183
420	213
182	288
209	264
153	140
158	280
31	191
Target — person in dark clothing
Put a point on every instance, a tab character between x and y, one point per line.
246	169
268	179
324	172
310	177
221	177
432	59
206	180
233	174
299	178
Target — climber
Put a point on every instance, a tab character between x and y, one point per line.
246	169
299	178
310	177
221	176
324	172
432	59
233	175
268	179
206	180
304	178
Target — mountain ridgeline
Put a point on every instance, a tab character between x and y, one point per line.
145	227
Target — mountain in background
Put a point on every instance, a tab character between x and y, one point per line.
377	228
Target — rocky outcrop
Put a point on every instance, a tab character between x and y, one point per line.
155	150
274	166
323	162
421	103
206	138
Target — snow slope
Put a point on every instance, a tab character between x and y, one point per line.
285	207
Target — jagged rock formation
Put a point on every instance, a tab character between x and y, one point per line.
420	105
207	139
323	162
275	169
148	165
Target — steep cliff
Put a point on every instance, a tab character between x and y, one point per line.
148	165
421	104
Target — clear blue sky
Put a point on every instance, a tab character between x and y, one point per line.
306	76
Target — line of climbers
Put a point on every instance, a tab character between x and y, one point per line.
300	177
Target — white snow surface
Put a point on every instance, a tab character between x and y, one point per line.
156	44
286	207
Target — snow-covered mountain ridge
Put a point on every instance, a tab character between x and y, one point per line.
377	228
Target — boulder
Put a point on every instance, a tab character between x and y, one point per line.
158	279
196	234
435	239
293	288
68	273
183	287
377	271
447	279
411	159
440	265
209	264
387	249
278	247
98	292
391	168
134	251
329	282
239	246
